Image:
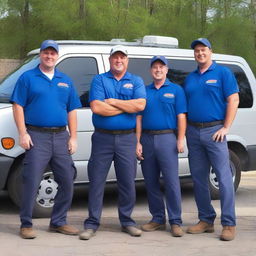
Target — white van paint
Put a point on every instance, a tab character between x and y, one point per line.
83	59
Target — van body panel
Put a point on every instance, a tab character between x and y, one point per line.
81	61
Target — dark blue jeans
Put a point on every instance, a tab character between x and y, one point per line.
161	157
105	149
49	148
203	153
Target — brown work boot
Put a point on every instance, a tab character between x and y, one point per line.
176	230
27	233
228	233
201	227
65	229
152	226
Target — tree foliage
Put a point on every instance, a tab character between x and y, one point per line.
229	24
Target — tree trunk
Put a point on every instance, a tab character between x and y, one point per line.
227	7
24	14
253	17
178	8
81	9
203	7
219	10
151	7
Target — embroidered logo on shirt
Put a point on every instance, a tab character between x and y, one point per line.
211	81
128	86
63	84
169	95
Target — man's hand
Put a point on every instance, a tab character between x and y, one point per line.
220	134
72	145
180	146
139	151
26	141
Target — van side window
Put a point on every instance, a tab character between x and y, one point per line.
81	70
179	69
140	67
177	73
245	94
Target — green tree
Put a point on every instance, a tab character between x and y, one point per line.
227	23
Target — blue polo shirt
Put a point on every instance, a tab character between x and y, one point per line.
105	86
46	102
163	106
207	93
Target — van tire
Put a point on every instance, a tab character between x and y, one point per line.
43	208
236	173
14	183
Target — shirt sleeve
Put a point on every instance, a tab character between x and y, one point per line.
229	82
97	90
139	90
20	92
181	102
74	101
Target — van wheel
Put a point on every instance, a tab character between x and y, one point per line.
45	196
236	174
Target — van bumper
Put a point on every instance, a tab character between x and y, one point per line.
5	165
252	158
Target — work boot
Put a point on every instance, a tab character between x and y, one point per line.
152	226
65	229
228	233
27	233
201	227
132	230
176	230
87	234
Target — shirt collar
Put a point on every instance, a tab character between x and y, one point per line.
38	72
127	75
166	83
212	67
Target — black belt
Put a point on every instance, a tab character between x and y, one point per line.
155	132
46	129
114	132
206	124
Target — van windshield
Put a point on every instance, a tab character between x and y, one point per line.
8	83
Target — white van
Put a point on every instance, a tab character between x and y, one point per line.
81	60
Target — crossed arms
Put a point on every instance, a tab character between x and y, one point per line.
112	107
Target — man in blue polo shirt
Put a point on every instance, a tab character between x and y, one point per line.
44	103
158	146
212	97
115	97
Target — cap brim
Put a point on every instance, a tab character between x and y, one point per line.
50	46
158	59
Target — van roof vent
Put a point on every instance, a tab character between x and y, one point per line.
117	40
163	41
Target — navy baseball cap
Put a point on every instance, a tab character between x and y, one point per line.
160	58
203	41
49	43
